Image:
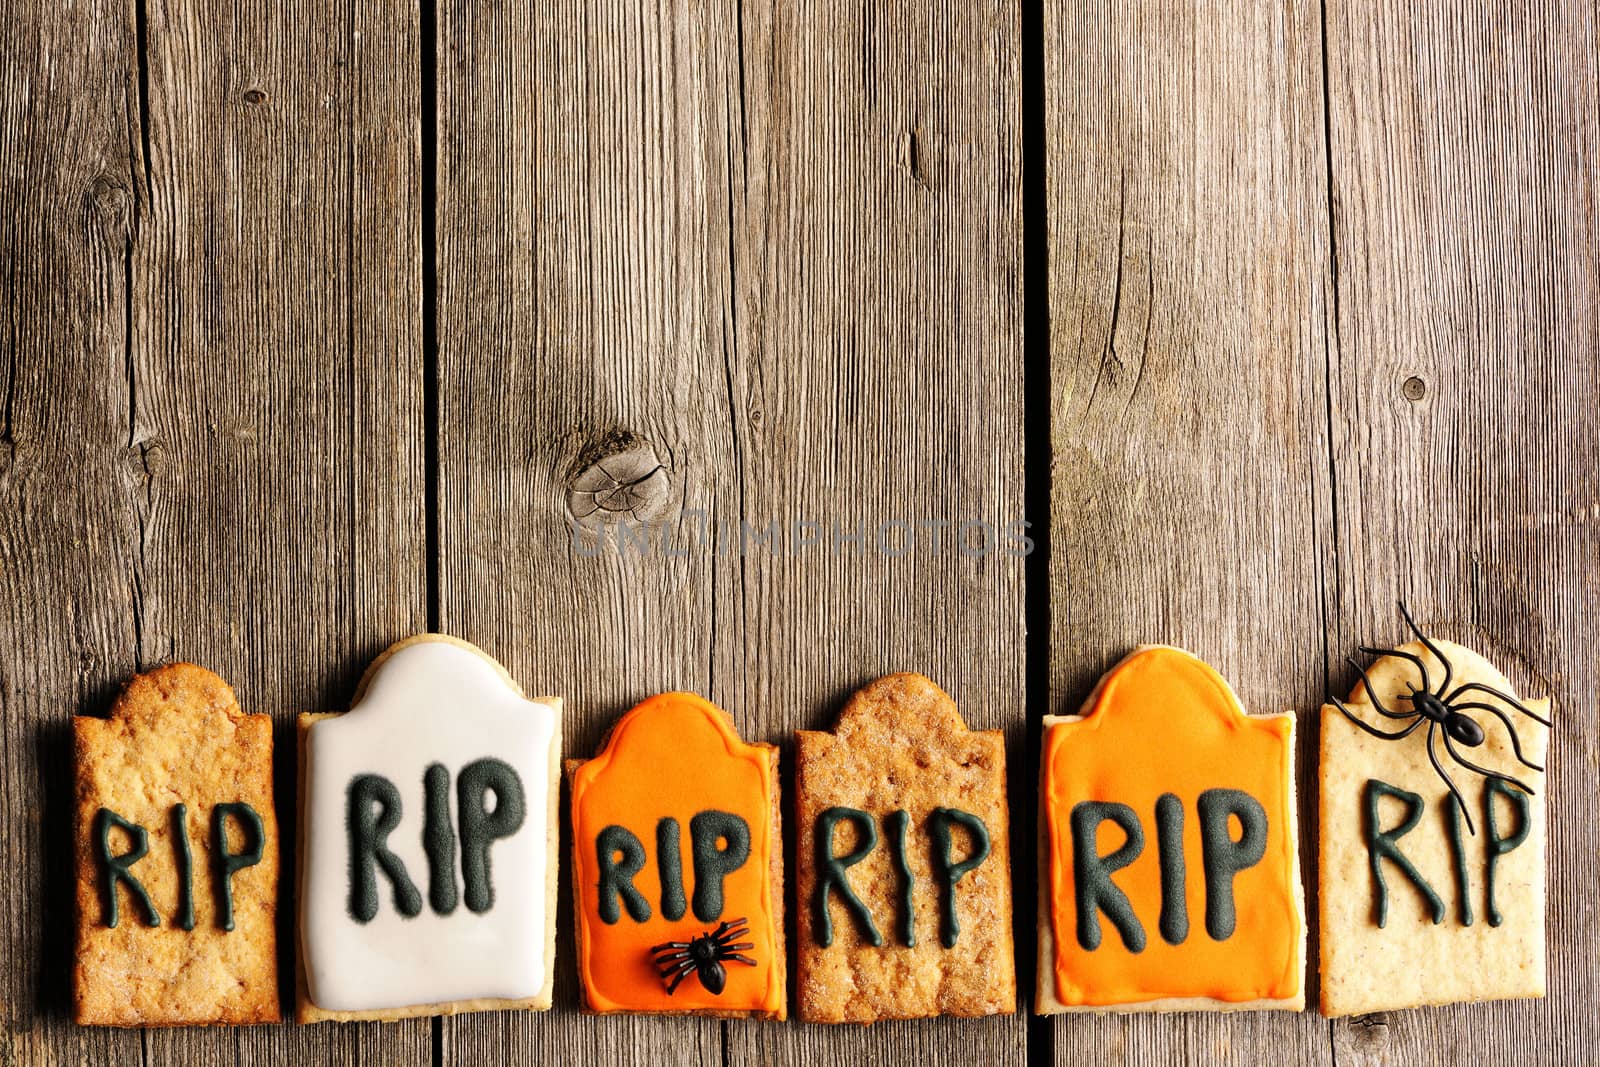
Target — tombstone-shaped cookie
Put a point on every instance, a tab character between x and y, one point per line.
1169	877
904	881
1432	834
429	841
177	857
677	866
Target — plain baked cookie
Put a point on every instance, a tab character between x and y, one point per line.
177	857
1424	901
1169	870
429	841
904	880
677	866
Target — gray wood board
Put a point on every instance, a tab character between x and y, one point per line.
782	246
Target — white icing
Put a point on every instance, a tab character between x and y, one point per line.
431	702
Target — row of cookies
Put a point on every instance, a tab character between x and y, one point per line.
1169	862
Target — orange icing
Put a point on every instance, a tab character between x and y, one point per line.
674	755
1165	722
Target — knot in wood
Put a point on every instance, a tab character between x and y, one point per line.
619	478
108	199
1414	388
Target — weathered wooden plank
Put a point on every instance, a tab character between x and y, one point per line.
876	345
279	376
69	164
782	246
1464	187
1188	284
214	427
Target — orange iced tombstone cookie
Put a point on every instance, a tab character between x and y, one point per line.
677	866
1171	879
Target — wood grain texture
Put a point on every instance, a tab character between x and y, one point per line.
69	164
214	433
782	244
1188	294
1465	446
1324	311
277	377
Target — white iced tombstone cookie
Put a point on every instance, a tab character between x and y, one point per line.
428	841
1432	834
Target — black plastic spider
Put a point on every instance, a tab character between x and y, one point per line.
1440	707
703	956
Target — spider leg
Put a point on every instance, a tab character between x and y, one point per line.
670	944
742	959
1486	772
1478	687
736	948
1448	668
1434	758
723	937
682	968
1516	745
1372	693
1416	721
678	981
673	959
1421	666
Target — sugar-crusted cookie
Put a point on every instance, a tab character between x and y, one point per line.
1432	834
428	851
677	866
1169	876
177	857
904	880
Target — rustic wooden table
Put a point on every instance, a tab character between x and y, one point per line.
1262	313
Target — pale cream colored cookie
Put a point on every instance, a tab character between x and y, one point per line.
1412	960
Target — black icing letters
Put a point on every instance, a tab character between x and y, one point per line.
831	876
895	825
719	844
1174	924
948	873
1222	857
439	839
226	863
1384	844
670	859
1497	845
1381	846
1091	872
481	826
185	857
945	868
373	812
620	856
115	869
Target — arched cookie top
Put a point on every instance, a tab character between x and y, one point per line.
176	688
1183	680
1394	676
440	654
688	721
899	706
